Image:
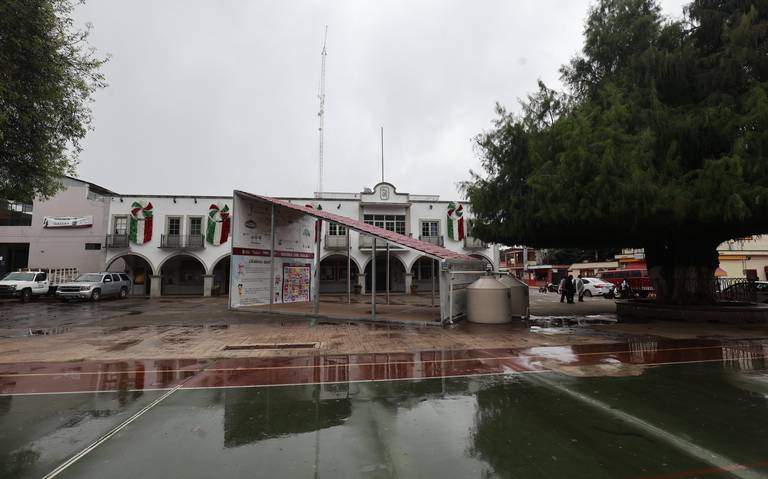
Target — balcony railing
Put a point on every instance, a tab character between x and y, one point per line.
336	241
116	241
182	241
474	243
366	242
438	240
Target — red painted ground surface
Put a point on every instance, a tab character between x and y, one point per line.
50	377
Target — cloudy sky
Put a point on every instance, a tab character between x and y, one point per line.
209	96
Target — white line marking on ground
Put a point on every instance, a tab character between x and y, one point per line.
509	372
62	467
687	447
392	363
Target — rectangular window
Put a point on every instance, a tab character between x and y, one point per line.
120	225
173	226
394	223
335	229
15	214
92	246
195	226
430	228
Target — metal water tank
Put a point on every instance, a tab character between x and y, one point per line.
519	296
488	301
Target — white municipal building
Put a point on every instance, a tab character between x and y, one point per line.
185	249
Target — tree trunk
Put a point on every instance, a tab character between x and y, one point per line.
683	270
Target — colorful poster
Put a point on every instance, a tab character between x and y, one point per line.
297	281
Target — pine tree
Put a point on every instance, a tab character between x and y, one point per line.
660	143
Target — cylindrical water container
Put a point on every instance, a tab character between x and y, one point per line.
519	296
488	301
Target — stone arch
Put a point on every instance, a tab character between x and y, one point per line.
182	274
396	277
138	267
180	253
217	260
333	273
220	273
485	259
421	274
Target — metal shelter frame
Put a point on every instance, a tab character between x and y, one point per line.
438	254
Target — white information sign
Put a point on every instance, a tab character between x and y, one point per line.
251	248
67	221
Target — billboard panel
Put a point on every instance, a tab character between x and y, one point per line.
294	265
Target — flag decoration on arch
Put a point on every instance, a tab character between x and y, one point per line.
455	221
140	230
219	222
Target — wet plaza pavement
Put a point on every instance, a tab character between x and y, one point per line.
640	408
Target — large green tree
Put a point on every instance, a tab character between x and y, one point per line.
659	142
48	74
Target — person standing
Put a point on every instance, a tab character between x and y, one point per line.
561	289
580	288
570	288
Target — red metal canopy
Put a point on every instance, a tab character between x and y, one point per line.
427	248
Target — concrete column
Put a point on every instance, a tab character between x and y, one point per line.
361	282
155	286
408	281
207	284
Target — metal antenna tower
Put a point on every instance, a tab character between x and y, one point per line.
321	113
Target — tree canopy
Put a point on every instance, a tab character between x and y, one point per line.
660	140
48	74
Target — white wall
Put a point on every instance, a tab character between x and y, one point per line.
162	208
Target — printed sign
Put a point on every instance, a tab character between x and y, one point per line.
252	266
67	221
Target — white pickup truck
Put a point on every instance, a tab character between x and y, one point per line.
24	285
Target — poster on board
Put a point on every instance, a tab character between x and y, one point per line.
293	263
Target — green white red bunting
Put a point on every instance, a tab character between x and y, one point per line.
141	222
219	221
455	221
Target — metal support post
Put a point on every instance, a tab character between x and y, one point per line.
272	260
349	270
387	272
433	282
319	229
373	280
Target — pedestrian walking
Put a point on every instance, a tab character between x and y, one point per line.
580	288
570	288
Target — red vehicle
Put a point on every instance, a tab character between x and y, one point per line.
639	282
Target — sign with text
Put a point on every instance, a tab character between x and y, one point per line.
67	221
255	269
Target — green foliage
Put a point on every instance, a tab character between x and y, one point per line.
47	77
661	140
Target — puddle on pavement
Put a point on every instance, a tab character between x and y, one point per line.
48	331
567	324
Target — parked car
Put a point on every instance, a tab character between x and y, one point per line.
744	290
596	287
24	285
94	286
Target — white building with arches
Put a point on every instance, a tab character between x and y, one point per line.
178	244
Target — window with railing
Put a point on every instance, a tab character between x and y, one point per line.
394	223
430	228
335	229
195	226
14	213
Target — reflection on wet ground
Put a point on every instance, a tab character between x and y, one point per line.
699	412
616	359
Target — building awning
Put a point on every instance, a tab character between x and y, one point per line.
429	249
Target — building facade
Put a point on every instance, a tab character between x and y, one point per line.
179	244
65	232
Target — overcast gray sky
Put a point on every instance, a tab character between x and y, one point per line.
208	96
